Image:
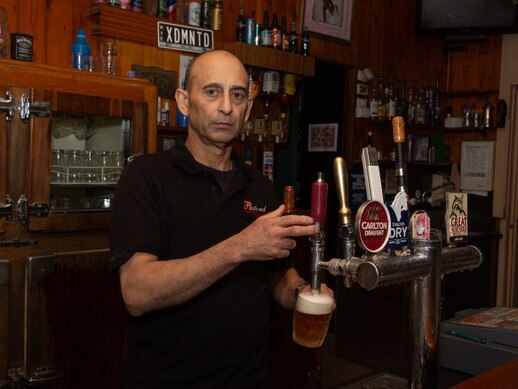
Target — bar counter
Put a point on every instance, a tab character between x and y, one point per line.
502	377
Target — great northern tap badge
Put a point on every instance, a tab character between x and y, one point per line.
456	217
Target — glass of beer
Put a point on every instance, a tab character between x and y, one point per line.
311	318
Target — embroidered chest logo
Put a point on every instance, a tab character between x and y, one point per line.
253	210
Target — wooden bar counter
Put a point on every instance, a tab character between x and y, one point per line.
502	377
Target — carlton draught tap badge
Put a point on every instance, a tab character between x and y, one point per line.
373	226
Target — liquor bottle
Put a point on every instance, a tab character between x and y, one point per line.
411	106
216	15
162	8
194	12
171	9
181	11
125	4
137	6
4	17
276	33
392	102
165	115
285	35
437	104
401	105
284	98
269	93
383	103
266	33
205	13
293	39
241	26
305	43
373	102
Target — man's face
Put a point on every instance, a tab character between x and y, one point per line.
217	100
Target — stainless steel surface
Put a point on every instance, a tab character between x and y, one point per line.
425	296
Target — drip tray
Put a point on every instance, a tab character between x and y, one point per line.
378	381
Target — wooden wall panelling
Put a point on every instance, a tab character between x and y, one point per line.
478	68
59	36
31	20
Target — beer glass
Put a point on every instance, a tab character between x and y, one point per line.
311	318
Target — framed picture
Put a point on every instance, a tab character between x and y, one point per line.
420	148
331	18
477	166
323	137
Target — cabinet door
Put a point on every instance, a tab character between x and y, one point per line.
75	320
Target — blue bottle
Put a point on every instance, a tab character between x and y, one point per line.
81	52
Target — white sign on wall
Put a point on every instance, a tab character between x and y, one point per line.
186	38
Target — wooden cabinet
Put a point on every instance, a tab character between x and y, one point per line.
81	96
62	319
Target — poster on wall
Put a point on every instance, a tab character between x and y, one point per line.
323	137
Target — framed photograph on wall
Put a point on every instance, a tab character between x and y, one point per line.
420	148
331	18
323	137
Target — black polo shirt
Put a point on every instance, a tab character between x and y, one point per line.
169	205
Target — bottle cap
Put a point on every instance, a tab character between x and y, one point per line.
81	33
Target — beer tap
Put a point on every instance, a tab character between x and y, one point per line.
422	266
319	190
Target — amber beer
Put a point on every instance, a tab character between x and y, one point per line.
311	318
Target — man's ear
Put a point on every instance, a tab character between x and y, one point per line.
182	97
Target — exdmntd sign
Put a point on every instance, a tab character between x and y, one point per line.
185	38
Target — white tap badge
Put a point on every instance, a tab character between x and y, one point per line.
398	211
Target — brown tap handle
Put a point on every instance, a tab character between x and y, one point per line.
398	129
342	192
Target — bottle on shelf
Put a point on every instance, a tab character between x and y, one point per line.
411	115
266	32
181	11
216	15
81	52
392	102
276	33
137	5
269	92
241	26
305	49
374	101
205	13
171	10
285	35
165	115
194	12
284	98
4	18
437	103
293	39
125	4
162	8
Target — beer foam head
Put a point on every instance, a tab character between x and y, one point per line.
314	303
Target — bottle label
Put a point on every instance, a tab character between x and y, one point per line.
271	82
194	13
217	18
276	38
266	37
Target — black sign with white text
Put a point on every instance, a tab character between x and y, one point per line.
185	38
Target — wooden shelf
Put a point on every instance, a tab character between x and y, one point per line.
113	22
116	23
268	58
470	93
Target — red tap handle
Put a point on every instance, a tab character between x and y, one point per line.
319	190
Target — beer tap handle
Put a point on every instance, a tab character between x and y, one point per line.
342	192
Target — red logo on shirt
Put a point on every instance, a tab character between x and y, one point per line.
252	209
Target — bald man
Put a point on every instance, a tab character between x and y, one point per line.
199	240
